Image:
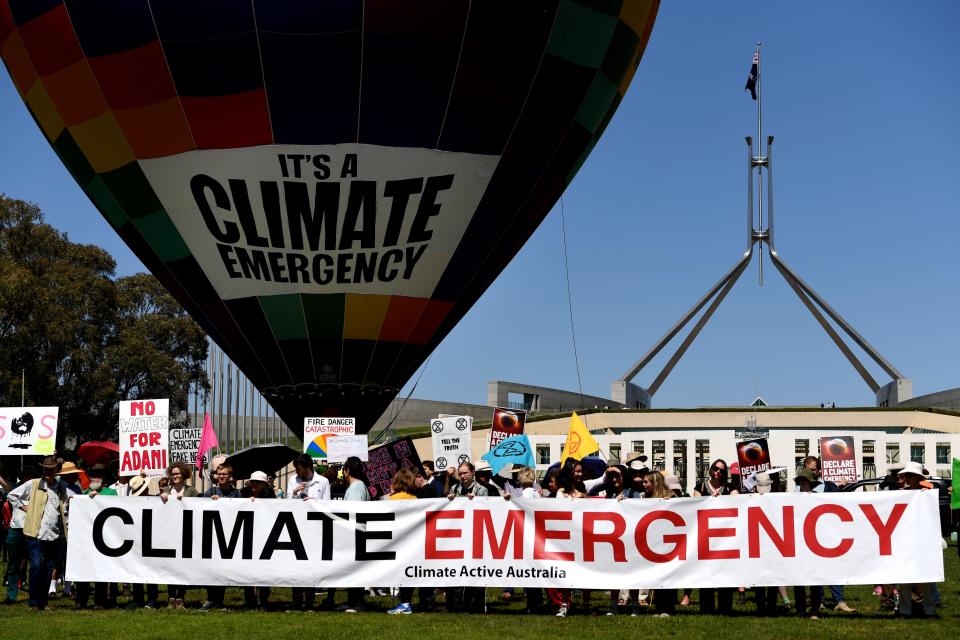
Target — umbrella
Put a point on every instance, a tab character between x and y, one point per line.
269	458
98	452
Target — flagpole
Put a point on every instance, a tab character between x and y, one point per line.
760	165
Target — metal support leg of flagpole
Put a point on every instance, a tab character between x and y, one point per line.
837	340
682	349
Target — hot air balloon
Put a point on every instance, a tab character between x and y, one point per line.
326	186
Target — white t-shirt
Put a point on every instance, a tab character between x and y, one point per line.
529	492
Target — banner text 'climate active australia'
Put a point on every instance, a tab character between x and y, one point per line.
316	230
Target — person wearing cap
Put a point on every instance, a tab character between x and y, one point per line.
97	474
44	500
914	597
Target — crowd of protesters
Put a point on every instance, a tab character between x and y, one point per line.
35	509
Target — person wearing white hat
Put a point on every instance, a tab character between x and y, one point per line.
913	476
258	487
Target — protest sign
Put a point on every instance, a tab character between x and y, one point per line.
316	432
144	436
753	456
343	447
878	537
384	461
184	444
838	457
451	441
28	431
506	423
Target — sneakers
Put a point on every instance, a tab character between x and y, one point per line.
562	613
403	608
842	606
208	606
151	604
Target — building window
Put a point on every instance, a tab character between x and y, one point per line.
543	454
659	448
943	453
615	452
893	453
637	446
917	452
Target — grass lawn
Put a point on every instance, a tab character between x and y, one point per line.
504	620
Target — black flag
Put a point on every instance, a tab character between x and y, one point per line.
752	78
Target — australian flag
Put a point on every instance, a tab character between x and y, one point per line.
752	78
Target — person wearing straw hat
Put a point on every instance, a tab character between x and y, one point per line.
44	500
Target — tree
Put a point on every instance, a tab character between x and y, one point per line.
84	340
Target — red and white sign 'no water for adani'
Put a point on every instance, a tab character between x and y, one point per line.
774	539
144	437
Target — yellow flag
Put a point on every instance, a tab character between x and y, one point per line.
579	443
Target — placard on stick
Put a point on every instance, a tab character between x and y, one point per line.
838	457
452	445
144	437
343	447
318	431
506	423
753	456
384	461
28	431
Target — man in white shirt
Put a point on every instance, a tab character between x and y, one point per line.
306	484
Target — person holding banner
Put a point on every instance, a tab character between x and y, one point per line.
306	484
224	488
922	594
356	479
467	599
140	487
716	484
96	473
258	488
404	488
807	482
44	500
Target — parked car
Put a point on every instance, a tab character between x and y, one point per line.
943	491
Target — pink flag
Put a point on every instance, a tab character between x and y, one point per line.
208	440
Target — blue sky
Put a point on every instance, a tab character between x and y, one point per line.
863	100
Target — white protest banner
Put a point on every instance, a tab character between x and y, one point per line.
316	431
879	537
184	444
343	447
451	441
838	457
28	431
144	435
